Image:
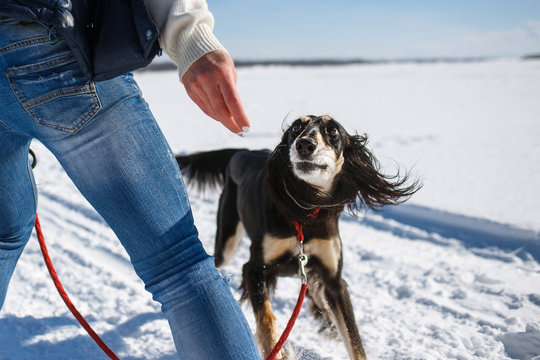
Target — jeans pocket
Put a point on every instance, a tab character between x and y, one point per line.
55	93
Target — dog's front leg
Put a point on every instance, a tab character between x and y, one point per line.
255	285
337	301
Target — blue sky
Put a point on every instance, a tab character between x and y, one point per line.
300	29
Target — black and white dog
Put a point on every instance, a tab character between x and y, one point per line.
316	171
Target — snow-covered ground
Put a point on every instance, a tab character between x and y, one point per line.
452	274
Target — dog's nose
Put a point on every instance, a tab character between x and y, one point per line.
305	146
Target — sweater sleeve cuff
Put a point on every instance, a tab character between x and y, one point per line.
199	42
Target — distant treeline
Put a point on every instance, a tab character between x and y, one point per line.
340	62
167	65
531	57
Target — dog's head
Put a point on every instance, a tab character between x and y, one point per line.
336	165
316	146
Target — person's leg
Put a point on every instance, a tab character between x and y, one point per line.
17	202
108	142
17	195
122	164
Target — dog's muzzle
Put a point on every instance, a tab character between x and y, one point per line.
305	147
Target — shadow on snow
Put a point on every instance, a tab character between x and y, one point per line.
21	336
485	238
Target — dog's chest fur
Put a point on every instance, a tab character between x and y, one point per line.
327	251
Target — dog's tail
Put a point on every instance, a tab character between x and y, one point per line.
206	169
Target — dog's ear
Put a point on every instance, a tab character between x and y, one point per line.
364	180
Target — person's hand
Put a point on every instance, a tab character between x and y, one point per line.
211	83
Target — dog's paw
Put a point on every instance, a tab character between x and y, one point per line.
329	330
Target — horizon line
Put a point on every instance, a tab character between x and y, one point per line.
167	64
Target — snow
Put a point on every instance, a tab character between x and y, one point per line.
452	274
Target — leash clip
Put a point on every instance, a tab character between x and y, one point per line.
302	262
302	257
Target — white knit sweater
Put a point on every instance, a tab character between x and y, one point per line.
186	30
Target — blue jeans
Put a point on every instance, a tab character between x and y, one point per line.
106	139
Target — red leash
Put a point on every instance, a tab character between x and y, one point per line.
302	259
65	296
302	262
290	324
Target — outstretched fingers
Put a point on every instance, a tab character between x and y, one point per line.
211	84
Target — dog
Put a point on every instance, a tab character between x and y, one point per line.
314	173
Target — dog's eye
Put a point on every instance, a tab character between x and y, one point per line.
296	128
332	131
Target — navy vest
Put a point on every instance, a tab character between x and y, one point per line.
110	37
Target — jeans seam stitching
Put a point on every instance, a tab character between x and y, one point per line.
23	43
9	128
61	60
92	111
86	89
